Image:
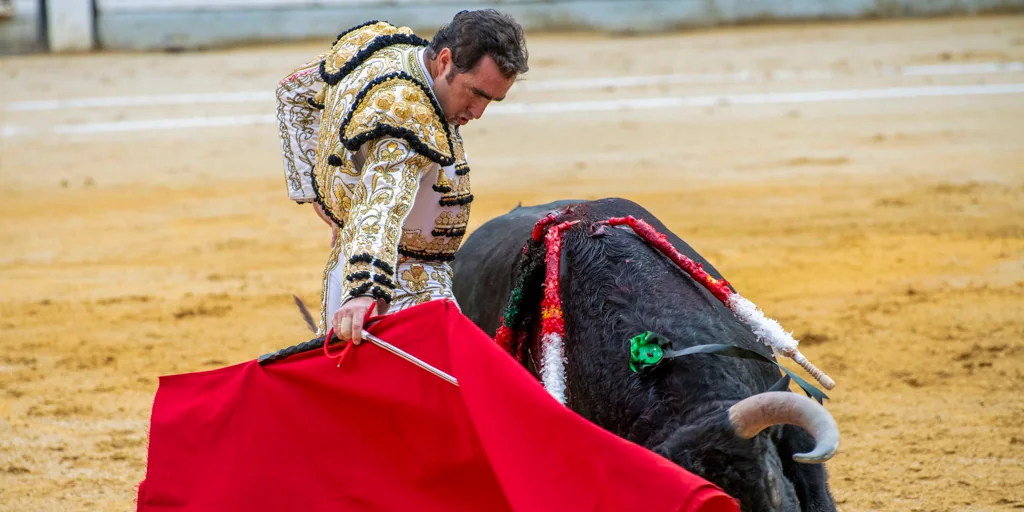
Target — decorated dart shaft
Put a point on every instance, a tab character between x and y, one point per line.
809	367
552	363
767	330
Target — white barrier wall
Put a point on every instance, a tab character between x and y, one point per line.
187	24
70	25
128	24
21	27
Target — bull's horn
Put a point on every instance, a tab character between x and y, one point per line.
754	414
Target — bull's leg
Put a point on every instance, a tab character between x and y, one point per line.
810	481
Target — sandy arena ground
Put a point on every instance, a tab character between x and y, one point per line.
887	233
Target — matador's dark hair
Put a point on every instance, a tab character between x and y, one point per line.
473	34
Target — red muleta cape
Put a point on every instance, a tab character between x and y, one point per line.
380	434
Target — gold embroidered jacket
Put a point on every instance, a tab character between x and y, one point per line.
364	136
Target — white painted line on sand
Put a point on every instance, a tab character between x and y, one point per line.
755	99
724	100
8	131
979	68
164	124
616	82
141	101
619	82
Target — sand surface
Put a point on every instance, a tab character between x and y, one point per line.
887	233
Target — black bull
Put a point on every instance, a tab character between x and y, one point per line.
615	286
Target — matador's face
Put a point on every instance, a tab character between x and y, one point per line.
465	96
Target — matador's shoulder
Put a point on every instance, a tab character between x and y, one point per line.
398	105
359	43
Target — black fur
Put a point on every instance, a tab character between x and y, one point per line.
615	286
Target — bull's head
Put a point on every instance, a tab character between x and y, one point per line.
721	443
752	415
724	447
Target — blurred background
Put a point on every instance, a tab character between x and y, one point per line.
854	167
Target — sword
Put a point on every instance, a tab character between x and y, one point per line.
409	357
316	343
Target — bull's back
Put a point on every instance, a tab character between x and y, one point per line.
485	263
603	209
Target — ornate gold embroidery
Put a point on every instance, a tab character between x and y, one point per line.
351	43
297	122
334	169
443	185
460	194
342	202
462	219
394	107
382	201
416	278
424	282
451	246
374	197
452	224
332	262
463	190
460	151
392	152
319	96
414	240
445	221
339	98
436	248
443	275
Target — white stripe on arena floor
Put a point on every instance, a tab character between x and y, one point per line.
617	82
723	100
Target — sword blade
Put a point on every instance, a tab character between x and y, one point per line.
409	357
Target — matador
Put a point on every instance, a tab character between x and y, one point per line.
370	136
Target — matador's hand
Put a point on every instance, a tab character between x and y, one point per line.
348	319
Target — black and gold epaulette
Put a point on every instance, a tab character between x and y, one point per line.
398	105
357	44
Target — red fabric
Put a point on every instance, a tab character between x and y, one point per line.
378	433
